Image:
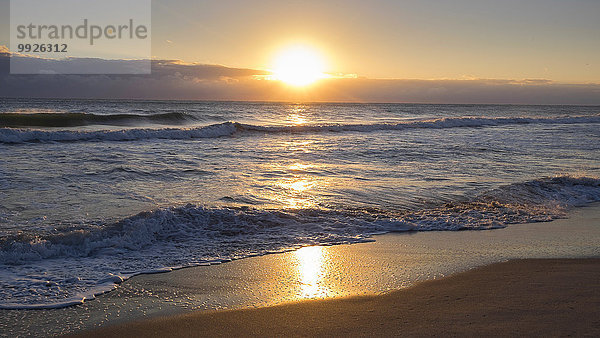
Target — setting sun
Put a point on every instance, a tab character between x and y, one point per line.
298	66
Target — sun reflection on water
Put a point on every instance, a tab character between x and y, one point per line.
299	166
297	115
295	184
297	119
299	185
310	272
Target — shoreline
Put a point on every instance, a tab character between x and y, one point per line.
554	297
393	262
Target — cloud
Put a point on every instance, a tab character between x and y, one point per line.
166	68
173	79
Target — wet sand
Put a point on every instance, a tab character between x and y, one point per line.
545	297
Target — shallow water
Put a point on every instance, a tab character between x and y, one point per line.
394	261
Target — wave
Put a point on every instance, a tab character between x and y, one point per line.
19	120
10	135
85	262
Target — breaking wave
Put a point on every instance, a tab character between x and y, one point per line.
84	262
18	120
11	135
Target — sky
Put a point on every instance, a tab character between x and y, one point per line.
420	39
457	51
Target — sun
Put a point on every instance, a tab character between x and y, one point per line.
298	66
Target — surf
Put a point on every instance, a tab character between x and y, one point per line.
17	135
20	120
84	262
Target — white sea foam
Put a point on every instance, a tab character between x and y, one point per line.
10	135
74	265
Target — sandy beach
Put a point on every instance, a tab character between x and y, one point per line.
422	271
551	297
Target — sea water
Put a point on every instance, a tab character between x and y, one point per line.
93	192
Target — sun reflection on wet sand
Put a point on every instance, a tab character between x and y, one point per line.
311	266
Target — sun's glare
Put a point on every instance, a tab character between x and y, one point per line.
298	66
310	271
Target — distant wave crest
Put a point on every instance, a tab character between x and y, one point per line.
18	120
11	135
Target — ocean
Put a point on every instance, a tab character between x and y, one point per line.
93	192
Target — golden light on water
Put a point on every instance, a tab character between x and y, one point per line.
301	145
299	185
310	271
297	115
297	119
298	66
296	194
299	166
298	191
